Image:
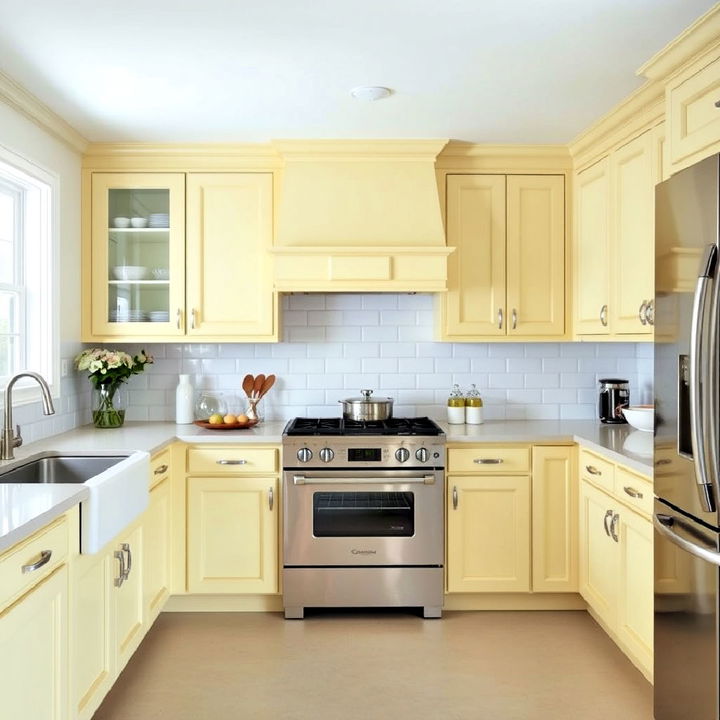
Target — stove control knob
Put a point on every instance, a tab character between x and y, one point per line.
422	455
326	454
402	454
304	454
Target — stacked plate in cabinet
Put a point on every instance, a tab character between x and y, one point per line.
159	220
159	316
123	316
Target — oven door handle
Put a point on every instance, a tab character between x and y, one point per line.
306	480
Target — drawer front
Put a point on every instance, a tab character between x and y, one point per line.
634	490
232	460
32	560
159	467
597	470
487	460
694	119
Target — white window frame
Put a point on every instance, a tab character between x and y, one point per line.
39	272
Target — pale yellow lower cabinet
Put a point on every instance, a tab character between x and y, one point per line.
554	519
34	649
129	629
488	534
616	571
232	541
157	543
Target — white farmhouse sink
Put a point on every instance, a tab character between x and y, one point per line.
117	483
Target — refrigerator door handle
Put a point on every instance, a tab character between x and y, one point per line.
698	393
664	524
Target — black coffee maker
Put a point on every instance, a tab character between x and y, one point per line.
614	395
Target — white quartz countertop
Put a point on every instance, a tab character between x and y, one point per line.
26	508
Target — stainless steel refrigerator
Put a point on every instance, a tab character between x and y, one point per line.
687	498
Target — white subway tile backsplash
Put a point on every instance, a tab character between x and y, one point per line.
336	344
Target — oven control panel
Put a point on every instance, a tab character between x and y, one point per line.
364	452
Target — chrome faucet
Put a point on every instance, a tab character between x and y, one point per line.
9	440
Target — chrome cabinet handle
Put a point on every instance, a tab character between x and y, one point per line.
608	515
650	312
603	315
455	497
642	313
193	313
593	470
160	470
45	556
633	493
698	411
514	318
664	461
125	547
178	319
717	103
231	462
500	318
271	499
120	579
488	461
613	526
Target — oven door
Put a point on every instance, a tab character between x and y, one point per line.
362	517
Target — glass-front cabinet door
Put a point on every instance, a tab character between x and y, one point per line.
138	254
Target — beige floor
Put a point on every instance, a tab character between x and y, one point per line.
378	666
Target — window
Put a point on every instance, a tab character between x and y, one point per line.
27	324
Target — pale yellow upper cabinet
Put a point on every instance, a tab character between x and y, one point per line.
693	116
476	270
213	281
137	273
507	274
633	238
535	255
592	250
229	274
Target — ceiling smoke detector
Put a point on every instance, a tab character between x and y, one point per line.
370	92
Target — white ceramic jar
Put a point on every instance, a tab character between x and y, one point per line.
184	406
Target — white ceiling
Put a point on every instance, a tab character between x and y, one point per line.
497	71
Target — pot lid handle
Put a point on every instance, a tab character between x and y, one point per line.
366	393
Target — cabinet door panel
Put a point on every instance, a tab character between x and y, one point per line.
635	607
229	273
476	270
93	659
489	534
34	648
129	599
232	535
592	252
633	235
535	255
156	551
554	514
145	248
598	553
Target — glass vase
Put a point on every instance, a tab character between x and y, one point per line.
109	403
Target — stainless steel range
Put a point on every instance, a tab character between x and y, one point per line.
363	518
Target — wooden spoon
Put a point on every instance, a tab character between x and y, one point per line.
247	384
269	382
259	380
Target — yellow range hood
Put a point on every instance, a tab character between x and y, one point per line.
360	215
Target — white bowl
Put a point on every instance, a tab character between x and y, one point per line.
138	222
121	222
129	272
640	416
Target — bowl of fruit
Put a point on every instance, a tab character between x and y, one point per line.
230	421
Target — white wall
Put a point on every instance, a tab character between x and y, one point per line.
335	344
27	139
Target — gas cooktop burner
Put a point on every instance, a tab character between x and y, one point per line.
339	426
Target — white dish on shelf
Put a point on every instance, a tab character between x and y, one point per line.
121	222
129	272
159	316
641	417
160	273
139	222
